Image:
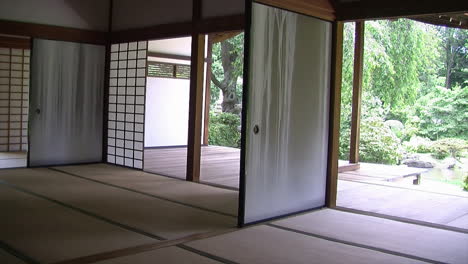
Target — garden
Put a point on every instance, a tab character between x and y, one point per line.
415	98
414	101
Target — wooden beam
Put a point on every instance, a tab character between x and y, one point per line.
183	29
174	30
222	36
15	43
357	91
53	32
371	9
335	105
196	99
322	9
220	24
206	120
168	56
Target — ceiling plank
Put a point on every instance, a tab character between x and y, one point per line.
322	9
371	9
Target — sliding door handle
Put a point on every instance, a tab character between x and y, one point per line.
256	129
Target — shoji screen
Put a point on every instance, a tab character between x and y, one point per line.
126	117
14	99
287	113
67	86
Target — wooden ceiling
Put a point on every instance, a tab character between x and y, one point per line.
323	9
455	20
452	13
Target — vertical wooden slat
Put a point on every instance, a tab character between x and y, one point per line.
207	91
105	114
21	102
334	124
9	103
357	91
196	97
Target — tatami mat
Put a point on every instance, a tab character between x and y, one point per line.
200	195
6	258
48	232
164	255
160	218
264	244
424	242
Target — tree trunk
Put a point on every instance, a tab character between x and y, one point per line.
229	82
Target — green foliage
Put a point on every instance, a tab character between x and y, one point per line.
223	130
446	147
398	60
406	66
418	145
465	184
378	144
455	53
442	114
218	71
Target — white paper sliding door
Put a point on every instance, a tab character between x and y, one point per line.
287	113
67	84
126	119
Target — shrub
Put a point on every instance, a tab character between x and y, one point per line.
418	145
378	143
465	184
224	130
442	113
446	147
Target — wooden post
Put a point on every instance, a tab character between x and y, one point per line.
195	108
207	91
334	124
357	91
196	97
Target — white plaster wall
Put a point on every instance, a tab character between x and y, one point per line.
82	14
166	116
216	8
129	14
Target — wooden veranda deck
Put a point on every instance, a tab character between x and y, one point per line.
372	187
219	165
368	172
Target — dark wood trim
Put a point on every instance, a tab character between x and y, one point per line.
105	109
53	32
175	30
334	123
322	9
357	92
206	121
196	98
15	43
143	248
31	89
245	107
371	9
183	29
168	56
220	24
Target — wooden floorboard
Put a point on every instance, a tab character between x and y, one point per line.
219	165
412	204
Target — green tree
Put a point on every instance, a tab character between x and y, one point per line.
455	52
227	68
442	114
398	60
